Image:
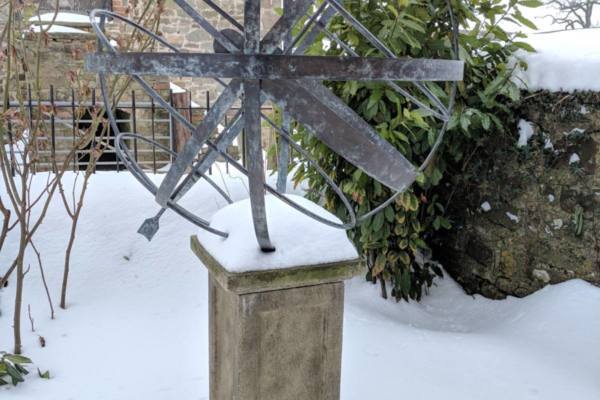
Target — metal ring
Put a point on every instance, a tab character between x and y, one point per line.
138	173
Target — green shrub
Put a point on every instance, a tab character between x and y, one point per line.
396	242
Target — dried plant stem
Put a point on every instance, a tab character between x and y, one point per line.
5	224
30	317
43	275
74	214
8	273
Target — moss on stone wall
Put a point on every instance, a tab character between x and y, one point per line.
544	223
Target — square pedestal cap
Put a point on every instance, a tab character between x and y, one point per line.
276	279
307	252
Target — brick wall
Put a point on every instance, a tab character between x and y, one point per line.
74	5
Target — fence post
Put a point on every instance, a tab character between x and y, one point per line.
181	133
30	106
152	109
171	136
93	146
53	128
227	148
74	124
134	126
13	159
190	108
207	110
109	132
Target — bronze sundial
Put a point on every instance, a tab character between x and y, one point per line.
273	68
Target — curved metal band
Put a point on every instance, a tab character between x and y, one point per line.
131	135
138	173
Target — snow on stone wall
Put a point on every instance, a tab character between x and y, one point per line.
564	61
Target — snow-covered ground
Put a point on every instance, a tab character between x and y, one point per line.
136	325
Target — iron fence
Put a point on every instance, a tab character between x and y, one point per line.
64	117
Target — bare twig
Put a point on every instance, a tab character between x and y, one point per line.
5	224
30	317
39	258
8	273
573	14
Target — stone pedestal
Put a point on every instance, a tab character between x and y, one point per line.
276	334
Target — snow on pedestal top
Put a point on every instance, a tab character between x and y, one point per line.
299	240
564	61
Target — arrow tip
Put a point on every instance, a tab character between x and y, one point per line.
149	228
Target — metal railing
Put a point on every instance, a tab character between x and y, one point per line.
64	120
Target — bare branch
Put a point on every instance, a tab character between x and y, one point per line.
573	13
30	317
39	258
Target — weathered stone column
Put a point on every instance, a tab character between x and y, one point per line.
276	334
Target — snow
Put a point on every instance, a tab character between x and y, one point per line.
564	61
525	132
486	206
514	218
574	159
299	239
58	29
136	323
542	275
557	223
63	18
548	145
575	131
178	89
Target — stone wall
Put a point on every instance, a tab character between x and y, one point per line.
533	216
75	5
64	54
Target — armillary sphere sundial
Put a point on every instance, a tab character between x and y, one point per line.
273	68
